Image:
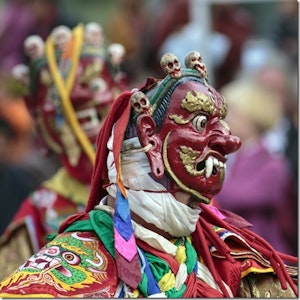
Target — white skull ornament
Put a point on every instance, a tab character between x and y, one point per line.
34	47
61	35
194	61
94	34
140	103
171	65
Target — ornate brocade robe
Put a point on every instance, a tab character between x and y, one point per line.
41	213
80	262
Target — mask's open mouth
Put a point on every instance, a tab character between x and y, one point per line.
210	166
202	165
42	262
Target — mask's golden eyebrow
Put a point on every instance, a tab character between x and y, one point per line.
198	101
195	101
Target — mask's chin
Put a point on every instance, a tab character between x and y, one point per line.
204	186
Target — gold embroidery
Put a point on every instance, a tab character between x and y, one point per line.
91	71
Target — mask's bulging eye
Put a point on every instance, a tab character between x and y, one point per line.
199	122
71	258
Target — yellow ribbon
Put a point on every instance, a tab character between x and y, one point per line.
167	282
180	254
65	88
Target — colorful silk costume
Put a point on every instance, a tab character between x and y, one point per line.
148	229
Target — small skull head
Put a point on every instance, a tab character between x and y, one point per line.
194	61
140	103
94	34
61	34
171	65
20	72
117	53
34	47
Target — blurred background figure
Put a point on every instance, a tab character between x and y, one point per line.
285	29
236	23
16	133
127	25
21	18
276	71
229	26
273	68
69	86
259	183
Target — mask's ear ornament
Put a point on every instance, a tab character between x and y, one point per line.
146	128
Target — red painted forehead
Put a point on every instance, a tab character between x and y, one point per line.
190	97
196	92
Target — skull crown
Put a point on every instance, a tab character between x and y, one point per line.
194	61
171	66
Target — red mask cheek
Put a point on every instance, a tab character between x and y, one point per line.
196	161
186	166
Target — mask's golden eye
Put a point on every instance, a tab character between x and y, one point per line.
199	123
